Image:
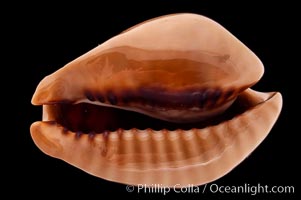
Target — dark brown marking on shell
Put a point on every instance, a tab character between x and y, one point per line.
215	96
202	98
78	134
112	98
91	135
65	130
100	98
125	97
90	96
106	134
99	119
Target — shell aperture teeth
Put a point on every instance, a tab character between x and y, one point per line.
94	119
184	106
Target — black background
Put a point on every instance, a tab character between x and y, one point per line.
42	38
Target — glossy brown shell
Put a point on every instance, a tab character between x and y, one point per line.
174	55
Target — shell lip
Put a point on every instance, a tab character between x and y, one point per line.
57	137
91	119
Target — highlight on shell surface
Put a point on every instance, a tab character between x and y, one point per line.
168	101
